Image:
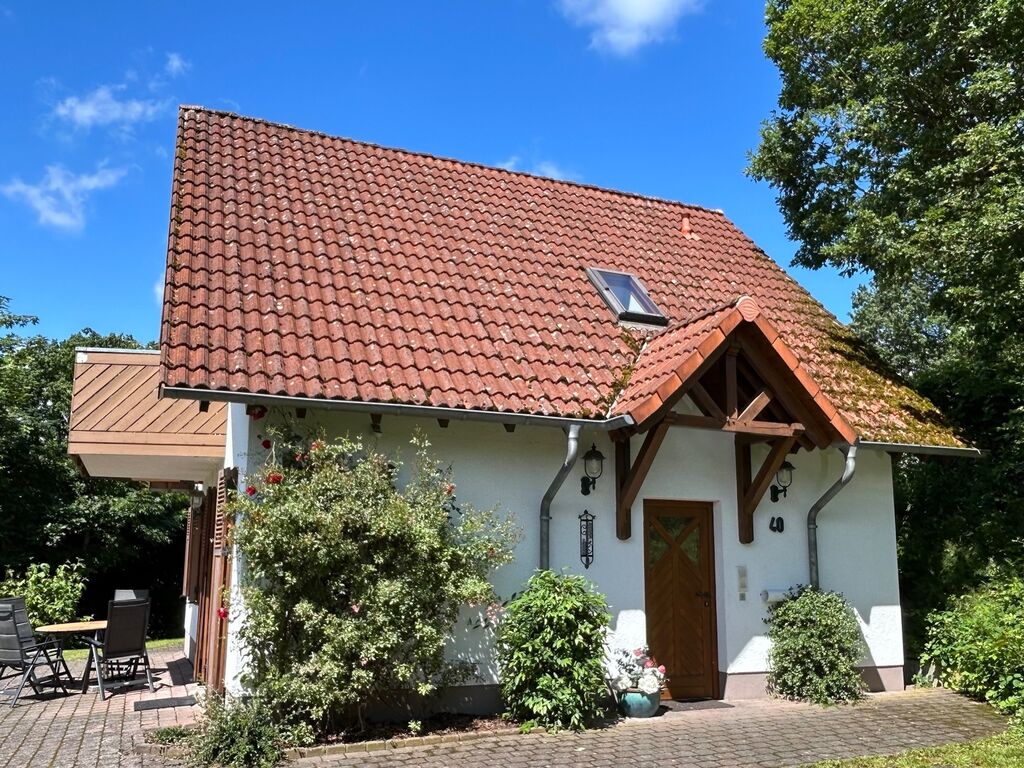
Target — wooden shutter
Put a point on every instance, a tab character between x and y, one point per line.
220	582
191	581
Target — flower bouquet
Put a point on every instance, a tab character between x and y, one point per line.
638	682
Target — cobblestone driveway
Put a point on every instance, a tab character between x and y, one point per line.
80	730
769	733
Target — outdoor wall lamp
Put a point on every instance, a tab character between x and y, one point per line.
784	478
593	465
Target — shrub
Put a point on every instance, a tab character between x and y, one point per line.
239	734
353	585
977	646
815	647
51	596
551	652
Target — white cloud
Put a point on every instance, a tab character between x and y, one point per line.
158	290
176	65
59	198
622	26
102	107
551	170
540	168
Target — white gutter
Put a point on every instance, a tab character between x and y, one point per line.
572	446
398	409
812	515
924	450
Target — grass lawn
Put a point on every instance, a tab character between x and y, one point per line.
1001	751
79	654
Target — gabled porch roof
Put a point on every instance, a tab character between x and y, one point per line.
120	427
756	359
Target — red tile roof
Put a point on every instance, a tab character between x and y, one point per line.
310	266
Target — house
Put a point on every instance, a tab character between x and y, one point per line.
527	325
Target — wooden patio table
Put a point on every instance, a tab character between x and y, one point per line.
61	631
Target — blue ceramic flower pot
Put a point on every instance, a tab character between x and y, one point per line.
637	704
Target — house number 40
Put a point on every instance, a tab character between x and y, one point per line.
778	525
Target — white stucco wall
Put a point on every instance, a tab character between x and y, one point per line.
512	470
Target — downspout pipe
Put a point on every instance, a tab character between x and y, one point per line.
812	515
572	447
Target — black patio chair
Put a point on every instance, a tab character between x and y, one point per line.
17	604
131	594
117	669
123	643
26	656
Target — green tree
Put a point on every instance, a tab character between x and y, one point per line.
49	511
897	150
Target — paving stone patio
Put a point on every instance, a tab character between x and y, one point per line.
79	730
761	733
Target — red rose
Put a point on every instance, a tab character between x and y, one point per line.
274	478
316	445
222	612
266	444
251	490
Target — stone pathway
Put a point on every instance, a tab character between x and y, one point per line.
753	733
79	730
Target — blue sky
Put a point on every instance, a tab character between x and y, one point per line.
661	97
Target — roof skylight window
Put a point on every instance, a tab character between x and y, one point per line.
626	296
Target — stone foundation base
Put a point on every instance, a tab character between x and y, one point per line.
754	685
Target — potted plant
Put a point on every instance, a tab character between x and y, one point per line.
639	681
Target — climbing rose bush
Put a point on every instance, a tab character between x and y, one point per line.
353	583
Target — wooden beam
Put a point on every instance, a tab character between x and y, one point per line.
765	428
442	423
204	406
375	422
705	402
758	404
731	407
634	479
623	524
769	371
756	490
510	428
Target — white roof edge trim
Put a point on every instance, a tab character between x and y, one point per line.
399	409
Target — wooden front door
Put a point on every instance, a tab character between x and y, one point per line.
680	595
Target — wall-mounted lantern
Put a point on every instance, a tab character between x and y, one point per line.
196	500
593	465
586	538
784	478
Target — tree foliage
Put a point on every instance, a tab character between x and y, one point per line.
897	149
50	512
353	584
